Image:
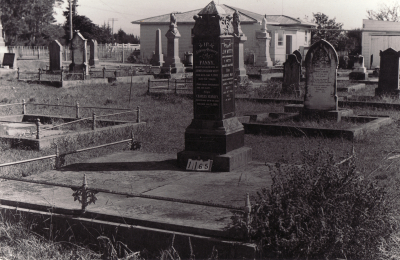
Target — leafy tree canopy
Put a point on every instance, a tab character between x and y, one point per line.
327	29
29	22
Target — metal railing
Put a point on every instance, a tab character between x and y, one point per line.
175	85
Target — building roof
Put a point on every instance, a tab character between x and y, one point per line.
246	17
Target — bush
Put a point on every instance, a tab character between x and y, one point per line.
321	210
271	89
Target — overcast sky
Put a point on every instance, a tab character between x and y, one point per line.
348	12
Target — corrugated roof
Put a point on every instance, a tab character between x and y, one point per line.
246	17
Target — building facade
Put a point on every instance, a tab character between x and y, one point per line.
287	33
378	36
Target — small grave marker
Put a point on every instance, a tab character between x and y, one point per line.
291	75
55	51
389	73
199	165
10	60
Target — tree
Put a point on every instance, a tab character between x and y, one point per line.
385	13
327	29
25	21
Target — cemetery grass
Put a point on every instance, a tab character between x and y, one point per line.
167	117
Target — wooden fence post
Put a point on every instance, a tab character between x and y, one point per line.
40	70
18	73
148	86
94	121
23	107
37	128
61	74
104	72
77	109
138	115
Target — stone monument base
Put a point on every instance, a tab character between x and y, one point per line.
356	75
387	92
221	162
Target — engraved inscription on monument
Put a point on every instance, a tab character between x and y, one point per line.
206	76
321	66
228	95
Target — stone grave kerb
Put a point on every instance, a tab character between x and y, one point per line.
291	75
388	83
79	54
321	65
215	132
55	53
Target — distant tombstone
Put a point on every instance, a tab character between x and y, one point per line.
240	38
79	54
94	56
158	59
10	60
263	39
55	52
389	73
173	61
291	76
321	77
215	132
359	71
298	56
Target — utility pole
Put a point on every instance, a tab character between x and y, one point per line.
70	21
113	19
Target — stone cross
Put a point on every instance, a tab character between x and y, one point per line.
55	53
321	77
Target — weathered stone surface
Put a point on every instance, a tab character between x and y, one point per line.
240	38
10	60
215	129
263	39
321	77
359	70
389	73
298	56
172	61
55	52
94	56
158	59
79	54
291	75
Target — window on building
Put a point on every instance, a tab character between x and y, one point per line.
305	37
280	38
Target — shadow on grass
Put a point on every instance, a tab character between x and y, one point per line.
125	166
